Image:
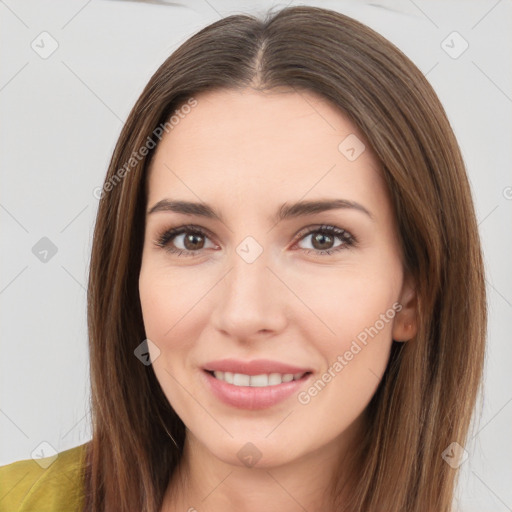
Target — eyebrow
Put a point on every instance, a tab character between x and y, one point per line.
286	211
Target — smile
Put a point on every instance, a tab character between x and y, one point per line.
251	385
257	381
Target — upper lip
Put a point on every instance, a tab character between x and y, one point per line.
254	367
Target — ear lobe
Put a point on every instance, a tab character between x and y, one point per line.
405	324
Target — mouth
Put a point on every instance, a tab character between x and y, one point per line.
255	385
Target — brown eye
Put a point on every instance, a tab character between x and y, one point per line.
183	240
323	239
193	241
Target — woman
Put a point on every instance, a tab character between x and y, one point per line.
286	300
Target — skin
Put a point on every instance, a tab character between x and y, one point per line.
246	153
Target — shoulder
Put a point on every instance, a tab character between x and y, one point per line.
44	484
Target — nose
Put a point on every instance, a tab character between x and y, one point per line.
251	300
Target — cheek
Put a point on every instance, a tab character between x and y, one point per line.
354	358
167	304
167	299
350	303
355	310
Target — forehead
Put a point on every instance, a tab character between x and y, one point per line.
260	146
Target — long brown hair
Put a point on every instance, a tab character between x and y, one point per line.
426	398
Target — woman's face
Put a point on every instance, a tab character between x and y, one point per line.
296	320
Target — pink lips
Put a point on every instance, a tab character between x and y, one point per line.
248	397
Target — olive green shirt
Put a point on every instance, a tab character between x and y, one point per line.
50	484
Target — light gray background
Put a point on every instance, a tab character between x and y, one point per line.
61	116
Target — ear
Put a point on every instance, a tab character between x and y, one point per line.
405	325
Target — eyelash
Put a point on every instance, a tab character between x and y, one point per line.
164	237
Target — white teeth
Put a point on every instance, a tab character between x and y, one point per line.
239	379
257	381
274	378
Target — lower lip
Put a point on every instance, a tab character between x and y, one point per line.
248	397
